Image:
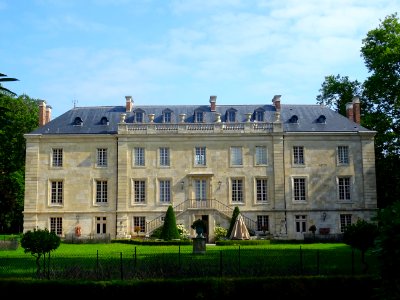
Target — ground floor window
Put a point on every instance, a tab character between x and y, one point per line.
56	225
300	223
101	225
345	220
140	222
262	223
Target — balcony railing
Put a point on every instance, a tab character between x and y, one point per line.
203	128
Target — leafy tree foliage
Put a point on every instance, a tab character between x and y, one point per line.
3	90
40	242
380	102
18	115
170	230
336	91
235	214
361	236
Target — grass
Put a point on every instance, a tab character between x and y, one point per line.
116	260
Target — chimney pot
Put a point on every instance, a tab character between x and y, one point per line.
213	102
356	110
129	103
42	112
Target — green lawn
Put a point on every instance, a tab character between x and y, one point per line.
117	260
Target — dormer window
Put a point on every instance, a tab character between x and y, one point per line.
259	115
139	116
198	117
321	119
104	121
231	115
167	116
294	119
78	121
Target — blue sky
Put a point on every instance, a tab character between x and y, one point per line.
96	52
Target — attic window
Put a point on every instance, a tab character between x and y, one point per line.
231	115
198	117
104	121
294	119
321	119
259	115
167	116
78	121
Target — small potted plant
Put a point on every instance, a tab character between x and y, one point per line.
200	226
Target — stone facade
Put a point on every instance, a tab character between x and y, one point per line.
111	176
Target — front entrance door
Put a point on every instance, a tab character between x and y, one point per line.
200	186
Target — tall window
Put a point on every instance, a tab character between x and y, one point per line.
102	157
56	225
139	191
200	189
298	155
262	187
164	156
56	192
139	159
343	155
262	223
140	222
165	191
57	158
101	225
261	155
345	220
299	189
200	156
236	156
300	223
198	117
101	191
344	188
237	190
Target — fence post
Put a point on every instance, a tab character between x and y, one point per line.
220	263
121	266
301	262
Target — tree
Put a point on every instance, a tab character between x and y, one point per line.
235	214
40	242
336	91
380	102
18	115
170	230
3	90
361	236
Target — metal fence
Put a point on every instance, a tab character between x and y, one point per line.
181	262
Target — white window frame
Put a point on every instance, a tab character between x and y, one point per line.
237	190
261	156
298	156
262	220
343	155
141	222
101	225
102	159
167	117
139	157
165	190
300	223
198	117
139	191
261	190
56	192
200	156
101	191
164	157
236	156
345	220
57	157
56	224
344	188
299	189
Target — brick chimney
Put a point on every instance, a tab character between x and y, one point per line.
356	110
129	103
349	111
277	102
48	114
213	102
42	112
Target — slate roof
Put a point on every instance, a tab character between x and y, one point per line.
94	119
